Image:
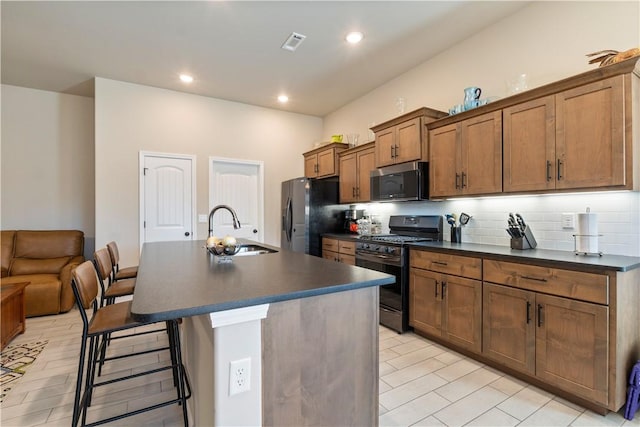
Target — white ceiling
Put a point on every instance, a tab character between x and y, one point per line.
232	48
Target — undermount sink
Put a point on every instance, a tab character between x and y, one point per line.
246	250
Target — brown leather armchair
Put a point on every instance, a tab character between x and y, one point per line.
45	259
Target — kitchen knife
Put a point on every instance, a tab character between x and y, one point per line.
520	221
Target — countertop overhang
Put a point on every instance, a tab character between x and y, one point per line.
180	279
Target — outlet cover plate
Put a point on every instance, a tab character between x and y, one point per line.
568	221
239	376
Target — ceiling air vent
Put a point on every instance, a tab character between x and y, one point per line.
293	41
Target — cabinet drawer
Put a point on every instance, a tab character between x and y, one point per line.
347	247
329	244
445	263
565	283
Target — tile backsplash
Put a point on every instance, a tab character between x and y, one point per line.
618	218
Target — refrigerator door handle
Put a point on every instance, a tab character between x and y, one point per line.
290	225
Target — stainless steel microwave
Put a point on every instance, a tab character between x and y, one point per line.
406	181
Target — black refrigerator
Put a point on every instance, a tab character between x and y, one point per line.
309	209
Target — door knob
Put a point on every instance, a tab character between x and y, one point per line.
255	231
187	234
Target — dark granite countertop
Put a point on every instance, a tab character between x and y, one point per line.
563	259
180	279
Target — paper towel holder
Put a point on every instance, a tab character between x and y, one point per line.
575	245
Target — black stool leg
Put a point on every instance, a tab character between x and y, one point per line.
76	402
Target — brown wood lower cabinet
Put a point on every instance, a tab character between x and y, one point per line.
343	251
573	331
561	341
445	305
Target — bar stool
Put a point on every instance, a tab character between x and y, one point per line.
120	273
111	289
104	321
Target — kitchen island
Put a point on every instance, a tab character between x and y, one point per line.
308	326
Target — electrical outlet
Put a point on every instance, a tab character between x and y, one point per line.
568	220
239	376
202	218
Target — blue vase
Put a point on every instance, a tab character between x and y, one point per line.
471	96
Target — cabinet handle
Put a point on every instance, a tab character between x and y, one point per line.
560	163
392	156
444	286
315	167
548	170
395	152
464	176
528	312
353	191
537	279
435	288
440	263
457	181
539	315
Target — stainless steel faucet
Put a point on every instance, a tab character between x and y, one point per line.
236	223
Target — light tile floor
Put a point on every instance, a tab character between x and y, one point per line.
421	384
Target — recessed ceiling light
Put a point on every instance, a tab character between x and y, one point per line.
283	98
186	78
354	37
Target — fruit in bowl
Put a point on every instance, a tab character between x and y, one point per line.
223	246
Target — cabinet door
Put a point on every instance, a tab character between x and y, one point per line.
509	326
529	141
311	166
590	142
327	163
572	346
366	163
462	323
385	146
481	148
444	177
348	178
408	141
425	301
330	255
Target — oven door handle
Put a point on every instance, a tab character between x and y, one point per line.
382	259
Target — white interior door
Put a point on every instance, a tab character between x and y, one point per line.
167	195
239	184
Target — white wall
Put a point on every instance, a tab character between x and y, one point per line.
131	118
47	161
548	41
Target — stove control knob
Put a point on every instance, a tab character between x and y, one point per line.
390	250
365	246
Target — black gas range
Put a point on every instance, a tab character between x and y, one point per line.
389	253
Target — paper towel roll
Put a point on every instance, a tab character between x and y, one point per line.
587	237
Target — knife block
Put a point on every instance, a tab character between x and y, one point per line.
525	242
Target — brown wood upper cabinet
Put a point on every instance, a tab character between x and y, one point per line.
580	133
355	171
402	139
466	157
322	162
571	140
